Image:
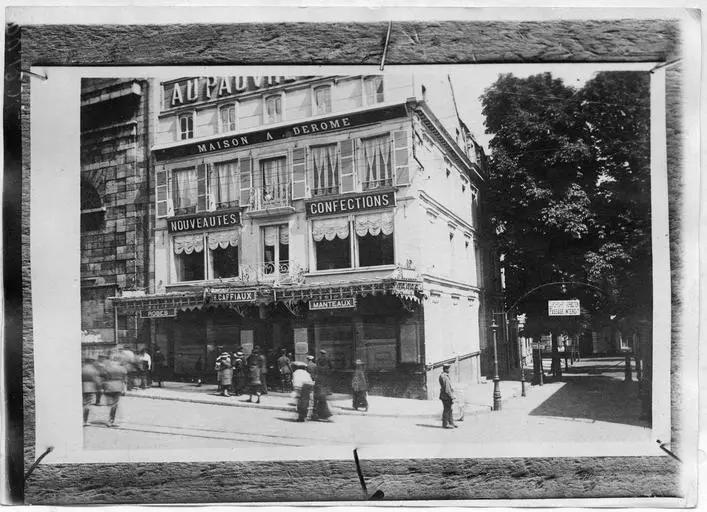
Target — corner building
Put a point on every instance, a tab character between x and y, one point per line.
307	213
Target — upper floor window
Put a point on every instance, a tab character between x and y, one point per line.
276	249
184	190
373	90
273	109
325	170
376	168
223	181
186	126
322	100
227	118
275	180
92	210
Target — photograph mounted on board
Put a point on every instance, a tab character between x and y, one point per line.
453	255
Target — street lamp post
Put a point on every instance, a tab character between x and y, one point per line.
496	379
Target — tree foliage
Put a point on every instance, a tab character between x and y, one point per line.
569	188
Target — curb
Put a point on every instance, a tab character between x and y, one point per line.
479	409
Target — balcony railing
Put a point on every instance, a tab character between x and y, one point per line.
226	205
276	273
374	184
275	196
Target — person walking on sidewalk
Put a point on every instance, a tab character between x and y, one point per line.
225	372
240	378
145	367
285	369
321	410
159	366
255	383
446	394
359	385
115	376
302	385
90	384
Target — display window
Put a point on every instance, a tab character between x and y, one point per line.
204	256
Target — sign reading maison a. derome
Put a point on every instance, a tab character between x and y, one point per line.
311	127
203	221
563	307
350	204
342	303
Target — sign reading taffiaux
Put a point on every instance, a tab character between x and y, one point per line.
342	303
158	313
313	127
231	295
204	221
563	307
354	203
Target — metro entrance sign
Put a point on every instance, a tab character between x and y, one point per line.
563	307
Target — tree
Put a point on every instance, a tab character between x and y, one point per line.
568	189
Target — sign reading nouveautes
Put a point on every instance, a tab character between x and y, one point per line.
203	221
342	303
563	307
350	204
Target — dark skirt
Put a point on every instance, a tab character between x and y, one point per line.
360	400
320	409
303	401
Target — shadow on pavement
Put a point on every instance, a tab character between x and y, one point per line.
597	392
427	425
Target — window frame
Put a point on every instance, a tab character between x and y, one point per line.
280	95
206	259
311	169
286	154
170	188
210	186
365	101
182	115
276	257
222	106
317	87
361	161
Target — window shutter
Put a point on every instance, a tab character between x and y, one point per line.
299	173
347	165
210	195
400	150
246	180
201	202
161	192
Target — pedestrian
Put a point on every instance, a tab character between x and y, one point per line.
311	367
127	358
115	377
217	368
159	366
302	385
359	385
285	370
145	367
255	383
90	384
263	364
240	377
225	372
321	410
446	394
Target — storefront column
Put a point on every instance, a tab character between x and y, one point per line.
247	341
359	344
301	341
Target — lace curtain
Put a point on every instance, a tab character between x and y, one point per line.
188	243
184	188
276	234
330	228
377	167
374	224
326	169
223	239
224	182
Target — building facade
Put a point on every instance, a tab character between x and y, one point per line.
338	213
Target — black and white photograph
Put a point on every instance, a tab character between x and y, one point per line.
360	263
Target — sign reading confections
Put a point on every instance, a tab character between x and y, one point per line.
350	204
231	295
158	313
203	221
311	127
342	303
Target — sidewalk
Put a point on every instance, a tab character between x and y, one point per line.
478	398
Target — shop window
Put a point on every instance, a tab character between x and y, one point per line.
322	100
273	109
190	267
337	340
223	180
375	250
373	89
184	190
223	253
186	126
331	242
325	170
227	118
380	337
276	185
276	249
376	168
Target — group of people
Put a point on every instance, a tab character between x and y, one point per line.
238	374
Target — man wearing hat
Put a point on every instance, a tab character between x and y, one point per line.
446	394
359	385
240	377
302	384
320	409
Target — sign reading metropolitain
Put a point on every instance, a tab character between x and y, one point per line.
312	127
342	303
350	204
203	221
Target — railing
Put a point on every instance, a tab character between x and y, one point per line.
325	191
282	272
373	184
225	205
274	196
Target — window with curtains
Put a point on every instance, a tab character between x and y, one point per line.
212	255
373	90
322	100
273	109
371	246
324	176
227	118
375	165
276	249
275	183
186	126
184	190
224	184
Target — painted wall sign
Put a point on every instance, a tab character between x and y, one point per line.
203	221
563	307
343	303
324	125
350	204
207	88
158	313
231	295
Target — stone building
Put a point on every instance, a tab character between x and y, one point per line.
336	213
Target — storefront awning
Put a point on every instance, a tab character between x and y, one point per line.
407	289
